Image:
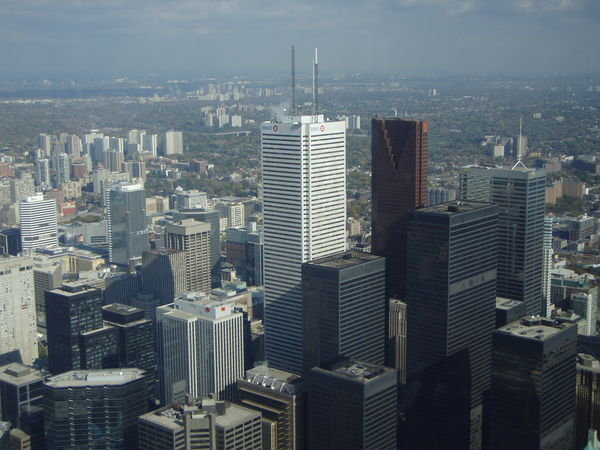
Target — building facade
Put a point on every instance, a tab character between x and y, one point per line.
280	398
344	308
94	408
200	348
193	238
451	302
164	273
399	154
304	208
127	223
39	222
352	404
18	324
533	385
519	194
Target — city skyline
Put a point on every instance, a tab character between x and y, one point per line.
141	37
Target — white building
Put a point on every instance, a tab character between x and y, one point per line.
173	143
18	326
236	121
304	206
200	348
39	222
546	268
150	144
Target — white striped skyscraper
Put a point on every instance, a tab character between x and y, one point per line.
200	348
304	206
39	222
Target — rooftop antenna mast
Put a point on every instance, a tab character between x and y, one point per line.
315	84
293	105
519	145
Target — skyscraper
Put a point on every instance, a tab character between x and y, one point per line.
533	385
70	311
344	307
588	401
352	404
213	218
39	222
399	154
173	143
18	325
304	207
127	223
135	337
164	273
280	397
201	348
193	238
451	303
519	194
94	408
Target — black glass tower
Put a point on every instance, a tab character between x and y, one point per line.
135	334
352	405
344	308
533	385
451	300
70	312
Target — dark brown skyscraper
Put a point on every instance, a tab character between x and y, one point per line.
399	185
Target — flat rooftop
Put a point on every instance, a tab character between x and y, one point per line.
104	377
19	374
454	207
359	370
506	303
119	308
275	379
537	328
343	260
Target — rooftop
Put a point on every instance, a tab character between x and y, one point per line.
343	260
454	207
276	379
506	303
358	370
105	377
19	374
535	328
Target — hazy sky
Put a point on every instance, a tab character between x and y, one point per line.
72	38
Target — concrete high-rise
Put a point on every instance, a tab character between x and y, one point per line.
94	408
18	325
304	207
39	222
352	404
127	223
213	218
173	143
200	348
344	307
193	238
451	313
201	424
399	155
533	385
520	195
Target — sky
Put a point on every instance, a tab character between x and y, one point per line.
194	38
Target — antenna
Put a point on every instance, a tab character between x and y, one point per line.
315	84
519	144
293	105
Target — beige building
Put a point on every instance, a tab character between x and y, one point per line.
193	237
